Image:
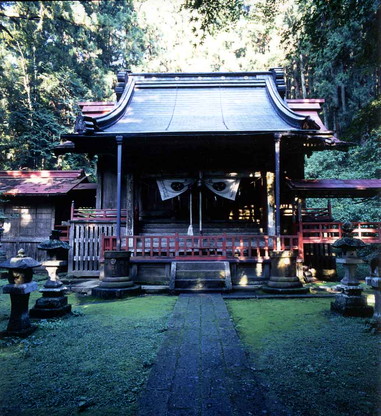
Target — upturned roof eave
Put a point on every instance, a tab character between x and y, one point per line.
292	132
210	80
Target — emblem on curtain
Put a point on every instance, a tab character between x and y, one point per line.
226	188
170	188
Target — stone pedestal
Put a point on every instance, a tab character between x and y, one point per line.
116	282
19	323
283	278
375	283
350	302
53	303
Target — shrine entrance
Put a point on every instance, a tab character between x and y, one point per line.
203	205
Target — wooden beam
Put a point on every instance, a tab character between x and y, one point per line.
270	203
277	140
119	142
130	205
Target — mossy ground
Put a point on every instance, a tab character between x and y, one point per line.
318	363
97	359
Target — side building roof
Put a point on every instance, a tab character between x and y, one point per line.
335	188
44	182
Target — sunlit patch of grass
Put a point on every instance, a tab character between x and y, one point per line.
97	359
317	362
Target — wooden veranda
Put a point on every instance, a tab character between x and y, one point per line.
92	231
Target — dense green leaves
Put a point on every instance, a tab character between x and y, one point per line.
332	45
52	55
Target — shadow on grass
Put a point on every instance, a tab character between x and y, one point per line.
95	360
317	362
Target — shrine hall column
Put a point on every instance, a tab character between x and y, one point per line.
130	204
277	141
119	144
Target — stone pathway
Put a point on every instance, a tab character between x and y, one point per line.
201	368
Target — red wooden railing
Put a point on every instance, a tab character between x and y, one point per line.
64	231
195	247
328	232
238	246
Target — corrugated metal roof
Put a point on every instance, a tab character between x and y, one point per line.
45	182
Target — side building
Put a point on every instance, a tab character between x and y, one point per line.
34	203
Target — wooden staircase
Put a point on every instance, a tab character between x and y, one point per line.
200	276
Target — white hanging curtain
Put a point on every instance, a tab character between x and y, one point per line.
226	188
170	188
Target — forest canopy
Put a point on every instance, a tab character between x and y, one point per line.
54	54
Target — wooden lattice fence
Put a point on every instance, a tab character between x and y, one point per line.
85	242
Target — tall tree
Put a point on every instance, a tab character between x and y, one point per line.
53	54
332	53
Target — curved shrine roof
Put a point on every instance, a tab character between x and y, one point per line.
197	103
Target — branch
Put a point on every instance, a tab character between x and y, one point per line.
21	16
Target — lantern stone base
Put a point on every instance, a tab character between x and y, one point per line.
351	303
116	282
375	283
283	279
114	288
19	324
53	304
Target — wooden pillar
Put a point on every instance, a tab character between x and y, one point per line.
119	142
277	139
270	203
130	205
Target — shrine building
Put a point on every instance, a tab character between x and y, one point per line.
201	167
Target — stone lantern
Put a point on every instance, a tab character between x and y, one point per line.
374	280
350	302
20	274
57	258
53	302
2	219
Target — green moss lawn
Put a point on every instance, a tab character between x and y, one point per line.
96	360
318	363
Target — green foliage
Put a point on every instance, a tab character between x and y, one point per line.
361	161
52	55
214	15
247	41
332	45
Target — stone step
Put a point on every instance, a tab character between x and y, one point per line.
200	265
201	290
201	274
199	284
